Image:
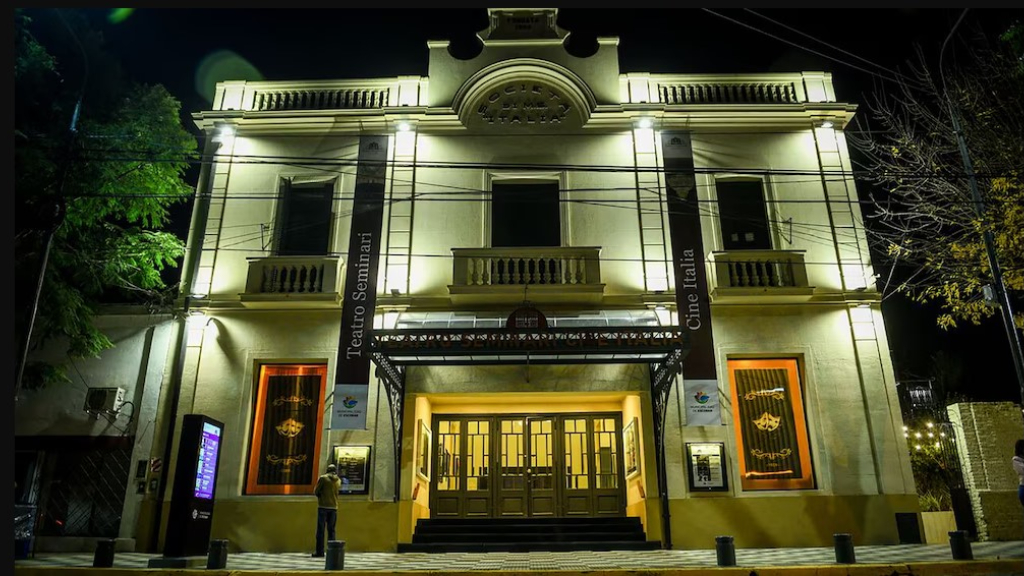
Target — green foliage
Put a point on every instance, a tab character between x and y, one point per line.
119	176
927	222
932	460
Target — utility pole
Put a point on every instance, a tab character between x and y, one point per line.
52	215
1002	297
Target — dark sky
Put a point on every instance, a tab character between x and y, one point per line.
171	46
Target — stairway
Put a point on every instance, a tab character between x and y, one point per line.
528	535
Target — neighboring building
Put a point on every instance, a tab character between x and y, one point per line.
82	448
654	223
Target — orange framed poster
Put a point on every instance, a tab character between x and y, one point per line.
287	428
771	427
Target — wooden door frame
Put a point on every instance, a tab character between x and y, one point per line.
557	452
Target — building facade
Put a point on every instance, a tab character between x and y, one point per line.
557	289
82	447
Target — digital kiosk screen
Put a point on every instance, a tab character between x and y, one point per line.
206	470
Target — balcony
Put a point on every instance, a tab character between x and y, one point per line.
752	276
293	282
511	275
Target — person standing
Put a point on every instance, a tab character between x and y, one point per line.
1018	465
326	490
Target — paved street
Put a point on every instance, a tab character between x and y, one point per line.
511	561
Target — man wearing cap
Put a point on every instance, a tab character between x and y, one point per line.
327	488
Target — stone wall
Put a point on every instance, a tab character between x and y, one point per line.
985	436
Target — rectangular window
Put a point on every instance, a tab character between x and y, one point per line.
304	222
284	454
525	214
771	431
742	215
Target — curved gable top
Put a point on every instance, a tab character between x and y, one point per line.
524	92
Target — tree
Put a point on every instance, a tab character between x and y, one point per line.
116	180
925	220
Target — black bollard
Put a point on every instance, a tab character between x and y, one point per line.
725	550
844	549
104	557
335	555
960	546
217	558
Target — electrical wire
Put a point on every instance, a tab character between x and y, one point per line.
848	53
795	45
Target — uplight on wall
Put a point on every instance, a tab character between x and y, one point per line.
404	126
645	123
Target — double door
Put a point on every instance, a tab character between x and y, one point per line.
557	465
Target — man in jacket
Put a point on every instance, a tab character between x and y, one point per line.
327	488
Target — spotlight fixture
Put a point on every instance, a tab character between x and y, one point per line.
404	126
645	123
226	130
826	124
396	292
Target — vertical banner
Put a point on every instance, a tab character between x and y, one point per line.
360	297
692	300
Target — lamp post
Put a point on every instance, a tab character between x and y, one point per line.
52	215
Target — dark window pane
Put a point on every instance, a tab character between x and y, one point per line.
306	220
525	215
741	211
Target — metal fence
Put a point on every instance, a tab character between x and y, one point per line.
83	492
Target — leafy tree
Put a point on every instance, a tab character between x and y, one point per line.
114	181
926	220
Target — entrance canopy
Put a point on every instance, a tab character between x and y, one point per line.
661	347
615	345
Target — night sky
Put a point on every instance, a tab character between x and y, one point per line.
174	47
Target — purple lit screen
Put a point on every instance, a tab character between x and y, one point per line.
206	471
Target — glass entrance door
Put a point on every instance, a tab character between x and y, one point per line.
554	465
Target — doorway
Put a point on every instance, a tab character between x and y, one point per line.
527	465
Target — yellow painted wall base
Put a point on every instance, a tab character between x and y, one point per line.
280	525
784	521
290	526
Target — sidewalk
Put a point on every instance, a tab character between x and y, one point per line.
989	558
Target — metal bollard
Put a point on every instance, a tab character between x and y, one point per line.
725	550
960	546
844	549
104	557
217	558
335	555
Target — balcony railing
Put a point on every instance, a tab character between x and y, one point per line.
729	93
536	271
322	99
311	280
760	272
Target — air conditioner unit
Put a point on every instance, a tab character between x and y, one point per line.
107	400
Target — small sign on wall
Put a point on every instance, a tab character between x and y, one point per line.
354	468
705	466
349	410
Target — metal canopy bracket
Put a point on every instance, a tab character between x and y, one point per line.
663	374
393	378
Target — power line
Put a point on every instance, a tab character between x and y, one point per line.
848	53
794	44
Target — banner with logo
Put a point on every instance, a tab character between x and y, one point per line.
701	399
690	272
360	297
349	409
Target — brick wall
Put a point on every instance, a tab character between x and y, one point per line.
985	436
